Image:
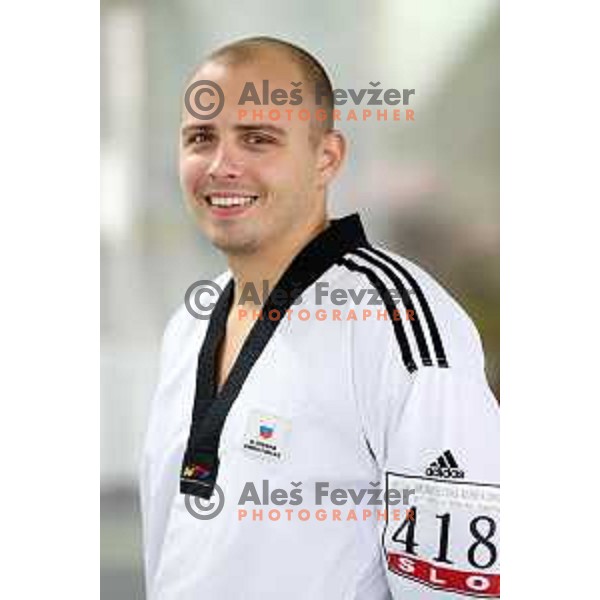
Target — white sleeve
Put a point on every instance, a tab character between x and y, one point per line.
153	506
435	437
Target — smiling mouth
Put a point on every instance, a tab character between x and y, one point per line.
230	201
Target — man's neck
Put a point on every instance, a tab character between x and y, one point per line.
264	268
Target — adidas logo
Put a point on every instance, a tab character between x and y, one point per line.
445	466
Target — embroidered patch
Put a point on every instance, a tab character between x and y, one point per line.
267	436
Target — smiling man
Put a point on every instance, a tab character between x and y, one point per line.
294	408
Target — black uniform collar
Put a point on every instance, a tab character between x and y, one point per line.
200	464
318	256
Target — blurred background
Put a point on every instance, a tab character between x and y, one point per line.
428	190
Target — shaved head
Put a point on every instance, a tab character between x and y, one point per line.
254	49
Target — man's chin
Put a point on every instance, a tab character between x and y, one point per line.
232	244
230	238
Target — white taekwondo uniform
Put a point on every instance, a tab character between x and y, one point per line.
346	401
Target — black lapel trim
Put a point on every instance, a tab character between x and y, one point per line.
200	464
408	304
433	329
205	373
389	305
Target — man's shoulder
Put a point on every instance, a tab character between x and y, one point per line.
430	326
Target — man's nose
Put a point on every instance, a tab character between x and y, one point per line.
225	164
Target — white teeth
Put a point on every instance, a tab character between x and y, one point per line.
229	201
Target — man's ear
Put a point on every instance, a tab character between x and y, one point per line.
332	152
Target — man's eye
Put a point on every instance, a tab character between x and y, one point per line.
198	139
257	139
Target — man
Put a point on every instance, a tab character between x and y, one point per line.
267	411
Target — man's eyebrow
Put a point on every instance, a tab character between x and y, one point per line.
244	128
196	128
261	127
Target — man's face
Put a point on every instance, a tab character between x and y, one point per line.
251	181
